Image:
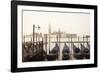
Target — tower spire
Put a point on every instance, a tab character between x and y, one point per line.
49	28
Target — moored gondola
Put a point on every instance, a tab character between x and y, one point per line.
33	52
39	52
53	54
86	51
65	53
77	52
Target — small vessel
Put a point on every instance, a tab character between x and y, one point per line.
53	55
86	51
77	52
65	53
39	53
33	52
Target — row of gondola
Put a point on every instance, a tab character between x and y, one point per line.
74	53
37	53
33	52
82	53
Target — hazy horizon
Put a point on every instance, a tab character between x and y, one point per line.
76	23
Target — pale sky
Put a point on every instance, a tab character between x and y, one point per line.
77	23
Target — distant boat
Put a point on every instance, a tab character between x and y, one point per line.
77	52
66	52
53	53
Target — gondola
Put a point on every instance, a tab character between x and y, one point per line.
34	52
26	56
39	52
86	51
77	52
53	54
65	53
